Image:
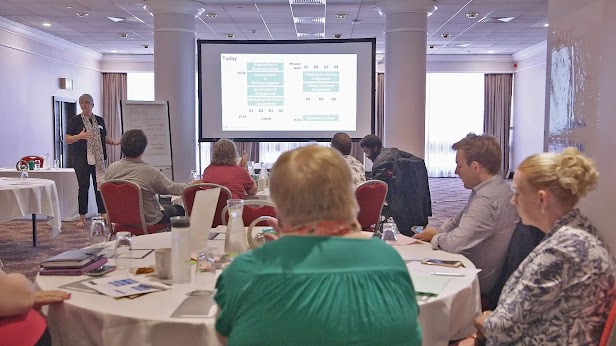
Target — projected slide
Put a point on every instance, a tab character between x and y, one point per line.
280	92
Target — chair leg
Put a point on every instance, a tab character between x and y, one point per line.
34	230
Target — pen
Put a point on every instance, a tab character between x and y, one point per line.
446	274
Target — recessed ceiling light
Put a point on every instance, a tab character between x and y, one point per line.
114	51
123	35
46	24
211	15
341	15
491	51
472	15
69	6
355	21
230	35
82	14
464	45
546	25
444	35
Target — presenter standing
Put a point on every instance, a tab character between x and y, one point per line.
86	134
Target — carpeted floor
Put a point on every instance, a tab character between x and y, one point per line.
18	255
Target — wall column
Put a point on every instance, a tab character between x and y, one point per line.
405	73
175	75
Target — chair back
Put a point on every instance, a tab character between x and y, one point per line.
608	337
523	240
371	198
253	209
124	204
188	195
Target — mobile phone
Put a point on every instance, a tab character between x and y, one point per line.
101	271
417	229
443	263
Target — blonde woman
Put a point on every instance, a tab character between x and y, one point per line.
224	170
322	282
562	292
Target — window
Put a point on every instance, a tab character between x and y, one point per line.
140	86
270	151
454	107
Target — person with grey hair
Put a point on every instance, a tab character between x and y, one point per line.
88	153
224	170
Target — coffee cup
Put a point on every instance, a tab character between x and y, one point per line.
31	165
163	263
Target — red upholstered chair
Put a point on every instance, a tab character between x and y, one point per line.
25	159
608	337
124	205
253	208
188	195
371	198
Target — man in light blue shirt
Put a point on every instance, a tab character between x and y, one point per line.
483	229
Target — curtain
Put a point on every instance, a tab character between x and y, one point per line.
357	152
497	112
115	88
251	148
380	104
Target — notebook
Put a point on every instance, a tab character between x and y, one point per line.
74	271
73	258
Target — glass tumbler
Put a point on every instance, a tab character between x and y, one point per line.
123	251
205	275
98	232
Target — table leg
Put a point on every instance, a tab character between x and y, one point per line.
34	230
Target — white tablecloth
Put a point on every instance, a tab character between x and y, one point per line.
29	196
66	184
92	319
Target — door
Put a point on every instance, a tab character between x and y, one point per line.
63	110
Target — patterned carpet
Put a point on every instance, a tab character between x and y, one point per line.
18	255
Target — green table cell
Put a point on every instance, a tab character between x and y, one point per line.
256	78
265	66
321	76
321	87
320	117
265	91
265	101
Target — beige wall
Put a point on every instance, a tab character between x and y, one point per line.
29	78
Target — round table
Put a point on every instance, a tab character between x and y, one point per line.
94	319
20	197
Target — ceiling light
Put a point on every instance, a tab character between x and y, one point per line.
337	35
463	45
472	15
309	20
123	35
505	19
211	15
444	35
341	15
307	2
546	25
491	52
69	6
116	19
46	24
82	14
230	35
355	21
114	51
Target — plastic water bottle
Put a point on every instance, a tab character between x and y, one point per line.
46	161
180	249
263	176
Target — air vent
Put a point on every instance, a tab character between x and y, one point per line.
496	19
125	19
307	2
309	20
310	35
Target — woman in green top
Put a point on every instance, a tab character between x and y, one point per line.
322	282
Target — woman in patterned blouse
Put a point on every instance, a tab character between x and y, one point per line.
561	294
